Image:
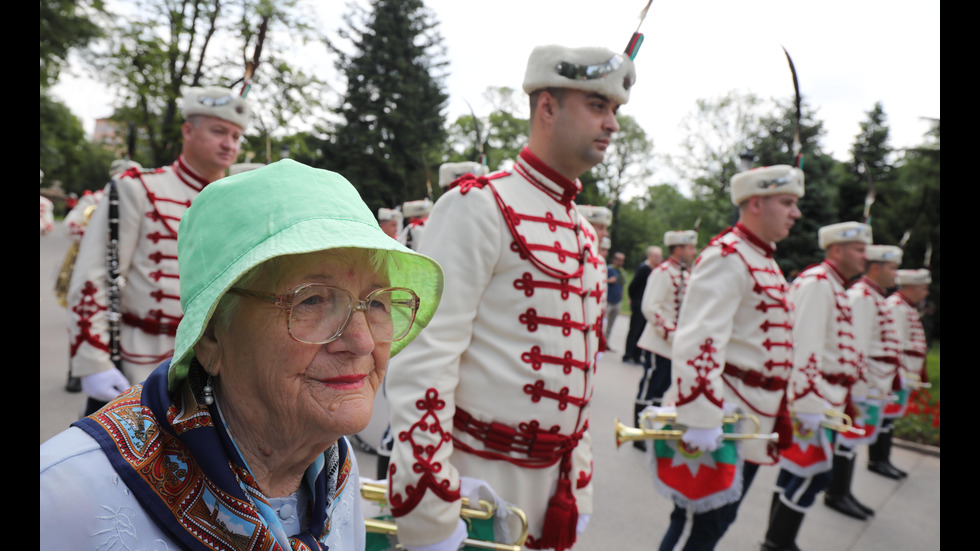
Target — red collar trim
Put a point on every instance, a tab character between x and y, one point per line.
906	299
556	185
742	231
871	283
188	175
834	270
671	260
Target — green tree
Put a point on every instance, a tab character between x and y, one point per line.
626	164
392	131
66	155
717	132
909	202
870	163
774	145
503	132
168	45
642	221
65	24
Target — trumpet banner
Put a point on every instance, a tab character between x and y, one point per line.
868	422
896	408
811	452
695	480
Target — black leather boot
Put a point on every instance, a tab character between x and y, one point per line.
879	455
838	496
783	528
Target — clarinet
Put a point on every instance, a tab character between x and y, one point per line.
112	283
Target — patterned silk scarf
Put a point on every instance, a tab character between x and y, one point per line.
186	472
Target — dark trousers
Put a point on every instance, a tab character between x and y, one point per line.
637	323
801	491
709	527
655	381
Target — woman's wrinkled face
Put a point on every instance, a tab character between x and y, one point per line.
309	390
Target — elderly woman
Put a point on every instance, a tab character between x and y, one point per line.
293	301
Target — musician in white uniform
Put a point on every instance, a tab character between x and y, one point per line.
661	307
825	367
913	288
876	347
498	386
733	346
150	206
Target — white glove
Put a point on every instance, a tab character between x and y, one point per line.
728	408
105	385
452	543
583	521
810	422
706	440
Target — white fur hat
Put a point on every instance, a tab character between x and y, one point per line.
913	277
884	253
416	209
767	180
385	215
685	237
598	70
844	232
595	215
217	102
449	172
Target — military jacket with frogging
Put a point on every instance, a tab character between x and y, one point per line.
910	335
498	385
874	339
826	362
151	204
661	306
734	340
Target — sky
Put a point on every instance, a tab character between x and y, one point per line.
848	55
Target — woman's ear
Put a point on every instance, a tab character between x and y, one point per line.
208	350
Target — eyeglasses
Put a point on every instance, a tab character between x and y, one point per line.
318	314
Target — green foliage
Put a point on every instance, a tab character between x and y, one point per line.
392	127
503	132
66	155
642	221
774	145
626	160
65	24
870	163
167	45
718	131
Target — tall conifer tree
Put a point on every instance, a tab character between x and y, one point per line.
388	142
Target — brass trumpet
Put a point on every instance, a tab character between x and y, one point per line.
628	434
378	493
846	424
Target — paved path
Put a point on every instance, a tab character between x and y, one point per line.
629	514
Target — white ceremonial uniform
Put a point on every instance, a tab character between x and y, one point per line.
910	335
47	215
498	385
76	219
874	339
824	357
411	235
151	204
734	339
661	306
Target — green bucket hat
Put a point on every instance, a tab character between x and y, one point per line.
285	208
